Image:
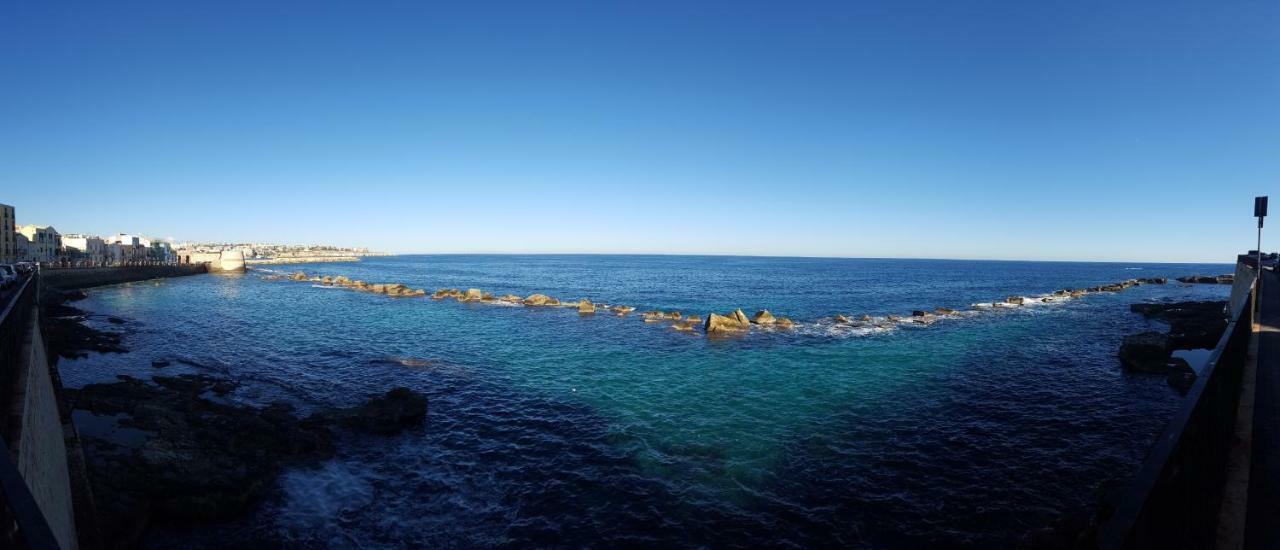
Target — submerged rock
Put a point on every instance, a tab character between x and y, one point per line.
204	460
390	413
1015	300
841	319
541	300
1146	352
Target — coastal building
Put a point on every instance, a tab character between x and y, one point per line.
84	248
44	244
226	260
161	251
8	240
124	248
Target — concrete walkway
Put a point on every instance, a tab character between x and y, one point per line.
1262	525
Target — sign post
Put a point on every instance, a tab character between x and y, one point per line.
1260	212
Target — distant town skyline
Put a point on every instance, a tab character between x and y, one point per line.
997	130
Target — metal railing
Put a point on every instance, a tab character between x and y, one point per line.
22	524
1173	501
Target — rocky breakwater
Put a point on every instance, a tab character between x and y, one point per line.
395	290
1208	279
194	457
732	323
1192	325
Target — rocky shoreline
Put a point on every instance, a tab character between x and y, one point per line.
179	452
1192	325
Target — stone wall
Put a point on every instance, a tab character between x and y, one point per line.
40	451
85	277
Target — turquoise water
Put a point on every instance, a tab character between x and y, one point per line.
546	427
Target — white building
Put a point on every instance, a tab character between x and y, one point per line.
123	247
84	248
44	244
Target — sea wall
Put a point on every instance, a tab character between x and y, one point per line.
86	277
40	451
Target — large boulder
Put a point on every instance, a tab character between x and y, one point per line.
841	319
734	322
299	276
472	295
784	323
585	306
341	280
763	317
1146	352
541	300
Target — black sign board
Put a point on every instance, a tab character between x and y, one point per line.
1259	207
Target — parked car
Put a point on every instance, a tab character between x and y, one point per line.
25	268
8	276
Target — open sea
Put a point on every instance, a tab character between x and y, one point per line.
547	428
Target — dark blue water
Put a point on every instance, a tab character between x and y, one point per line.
546	427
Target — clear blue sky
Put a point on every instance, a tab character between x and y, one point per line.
1026	130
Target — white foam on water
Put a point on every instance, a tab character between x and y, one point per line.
319	498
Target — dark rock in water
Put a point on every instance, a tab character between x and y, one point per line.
68	337
1192	325
920	313
1208	279
115	320
1181	375
1146	352
387	414
159	363
205	460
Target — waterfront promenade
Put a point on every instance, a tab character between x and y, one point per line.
1262	525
